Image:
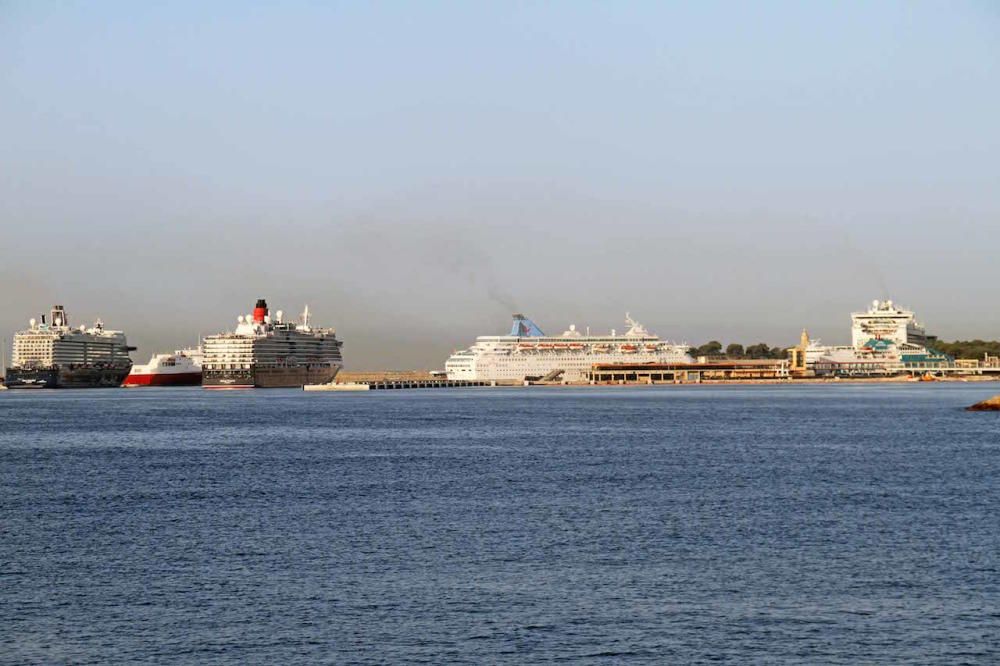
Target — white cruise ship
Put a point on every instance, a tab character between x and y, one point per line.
527	353
885	340
55	355
270	353
885	321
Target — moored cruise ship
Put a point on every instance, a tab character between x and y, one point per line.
182	368
885	340
54	355
266	352
886	321
527	353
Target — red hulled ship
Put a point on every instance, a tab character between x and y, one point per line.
182	368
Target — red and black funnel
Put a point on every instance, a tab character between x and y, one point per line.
260	311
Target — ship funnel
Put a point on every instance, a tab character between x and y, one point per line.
59	317
525	328
260	311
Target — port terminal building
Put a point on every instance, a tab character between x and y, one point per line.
682	373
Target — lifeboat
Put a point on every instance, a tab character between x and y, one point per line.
629	349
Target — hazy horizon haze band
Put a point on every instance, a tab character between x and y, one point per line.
416	173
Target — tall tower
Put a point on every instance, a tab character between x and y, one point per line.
798	355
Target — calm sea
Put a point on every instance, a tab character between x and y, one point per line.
838	525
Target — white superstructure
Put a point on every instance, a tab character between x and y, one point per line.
527	353
181	361
885	321
183	367
46	345
878	358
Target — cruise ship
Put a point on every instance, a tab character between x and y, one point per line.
51	354
526	353
266	352
885	321
182	368
885	340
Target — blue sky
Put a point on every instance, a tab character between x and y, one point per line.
415	171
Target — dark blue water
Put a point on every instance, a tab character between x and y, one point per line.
844	524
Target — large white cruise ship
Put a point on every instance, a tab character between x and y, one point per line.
527	353
885	340
270	353
54	355
885	321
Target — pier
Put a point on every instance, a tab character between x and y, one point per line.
678	373
393	384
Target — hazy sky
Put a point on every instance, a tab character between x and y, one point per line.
416	172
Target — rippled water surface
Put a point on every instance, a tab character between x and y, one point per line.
841	524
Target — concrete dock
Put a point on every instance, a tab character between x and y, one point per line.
390	384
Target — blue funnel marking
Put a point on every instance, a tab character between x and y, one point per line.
525	328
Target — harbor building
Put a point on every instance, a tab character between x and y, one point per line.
682	373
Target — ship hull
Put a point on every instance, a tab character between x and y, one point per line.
163	379
77	377
285	377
